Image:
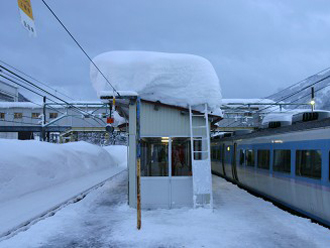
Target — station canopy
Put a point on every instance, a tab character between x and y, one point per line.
172	79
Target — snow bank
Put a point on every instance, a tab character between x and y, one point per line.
118	153
28	166
175	79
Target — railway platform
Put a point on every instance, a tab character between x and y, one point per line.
239	219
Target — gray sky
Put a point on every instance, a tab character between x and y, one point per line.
256	46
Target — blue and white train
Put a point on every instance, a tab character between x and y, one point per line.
287	164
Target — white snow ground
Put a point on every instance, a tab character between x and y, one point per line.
239	219
37	176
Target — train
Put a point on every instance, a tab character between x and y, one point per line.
285	162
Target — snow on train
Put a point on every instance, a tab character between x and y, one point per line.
288	164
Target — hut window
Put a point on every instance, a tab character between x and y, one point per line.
154	157
181	158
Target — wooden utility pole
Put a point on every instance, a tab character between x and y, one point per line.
138	164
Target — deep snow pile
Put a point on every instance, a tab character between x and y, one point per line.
28	166
175	79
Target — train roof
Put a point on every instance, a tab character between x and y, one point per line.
301	126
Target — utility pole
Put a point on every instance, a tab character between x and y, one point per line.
313	100
138	164
43	121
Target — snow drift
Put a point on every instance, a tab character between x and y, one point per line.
175	79
29	166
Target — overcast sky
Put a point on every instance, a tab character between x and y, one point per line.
256	46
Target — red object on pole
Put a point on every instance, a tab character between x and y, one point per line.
110	120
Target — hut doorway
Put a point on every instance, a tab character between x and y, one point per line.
166	172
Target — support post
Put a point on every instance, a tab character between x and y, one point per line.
313	100
138	164
43	121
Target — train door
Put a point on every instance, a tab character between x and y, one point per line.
223	159
234	170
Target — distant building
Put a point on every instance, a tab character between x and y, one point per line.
245	113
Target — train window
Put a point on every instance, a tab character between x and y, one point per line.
263	159
219	153
241	157
308	163
249	156
212	153
282	161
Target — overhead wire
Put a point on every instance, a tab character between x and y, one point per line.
300	98
81	48
45	91
290	87
27	75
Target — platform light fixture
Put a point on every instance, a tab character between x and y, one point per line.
277	141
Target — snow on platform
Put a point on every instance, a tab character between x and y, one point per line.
239	219
37	177
20	211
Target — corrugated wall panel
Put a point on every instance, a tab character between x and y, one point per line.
166	121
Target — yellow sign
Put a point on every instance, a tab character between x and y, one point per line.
25	6
27	20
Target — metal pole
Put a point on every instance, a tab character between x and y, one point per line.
313	101
138	164
43	123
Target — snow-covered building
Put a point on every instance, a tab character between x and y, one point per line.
23	119
165	96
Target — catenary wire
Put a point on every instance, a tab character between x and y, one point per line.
77	43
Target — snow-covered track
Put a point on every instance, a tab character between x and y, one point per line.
20	214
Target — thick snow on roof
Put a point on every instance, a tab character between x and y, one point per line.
175	79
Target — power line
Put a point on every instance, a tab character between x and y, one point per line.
43	90
25	74
297	92
15	82
81	48
322	71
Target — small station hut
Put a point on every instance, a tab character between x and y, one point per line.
171	101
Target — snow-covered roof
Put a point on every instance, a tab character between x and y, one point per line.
261	104
174	79
19	105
